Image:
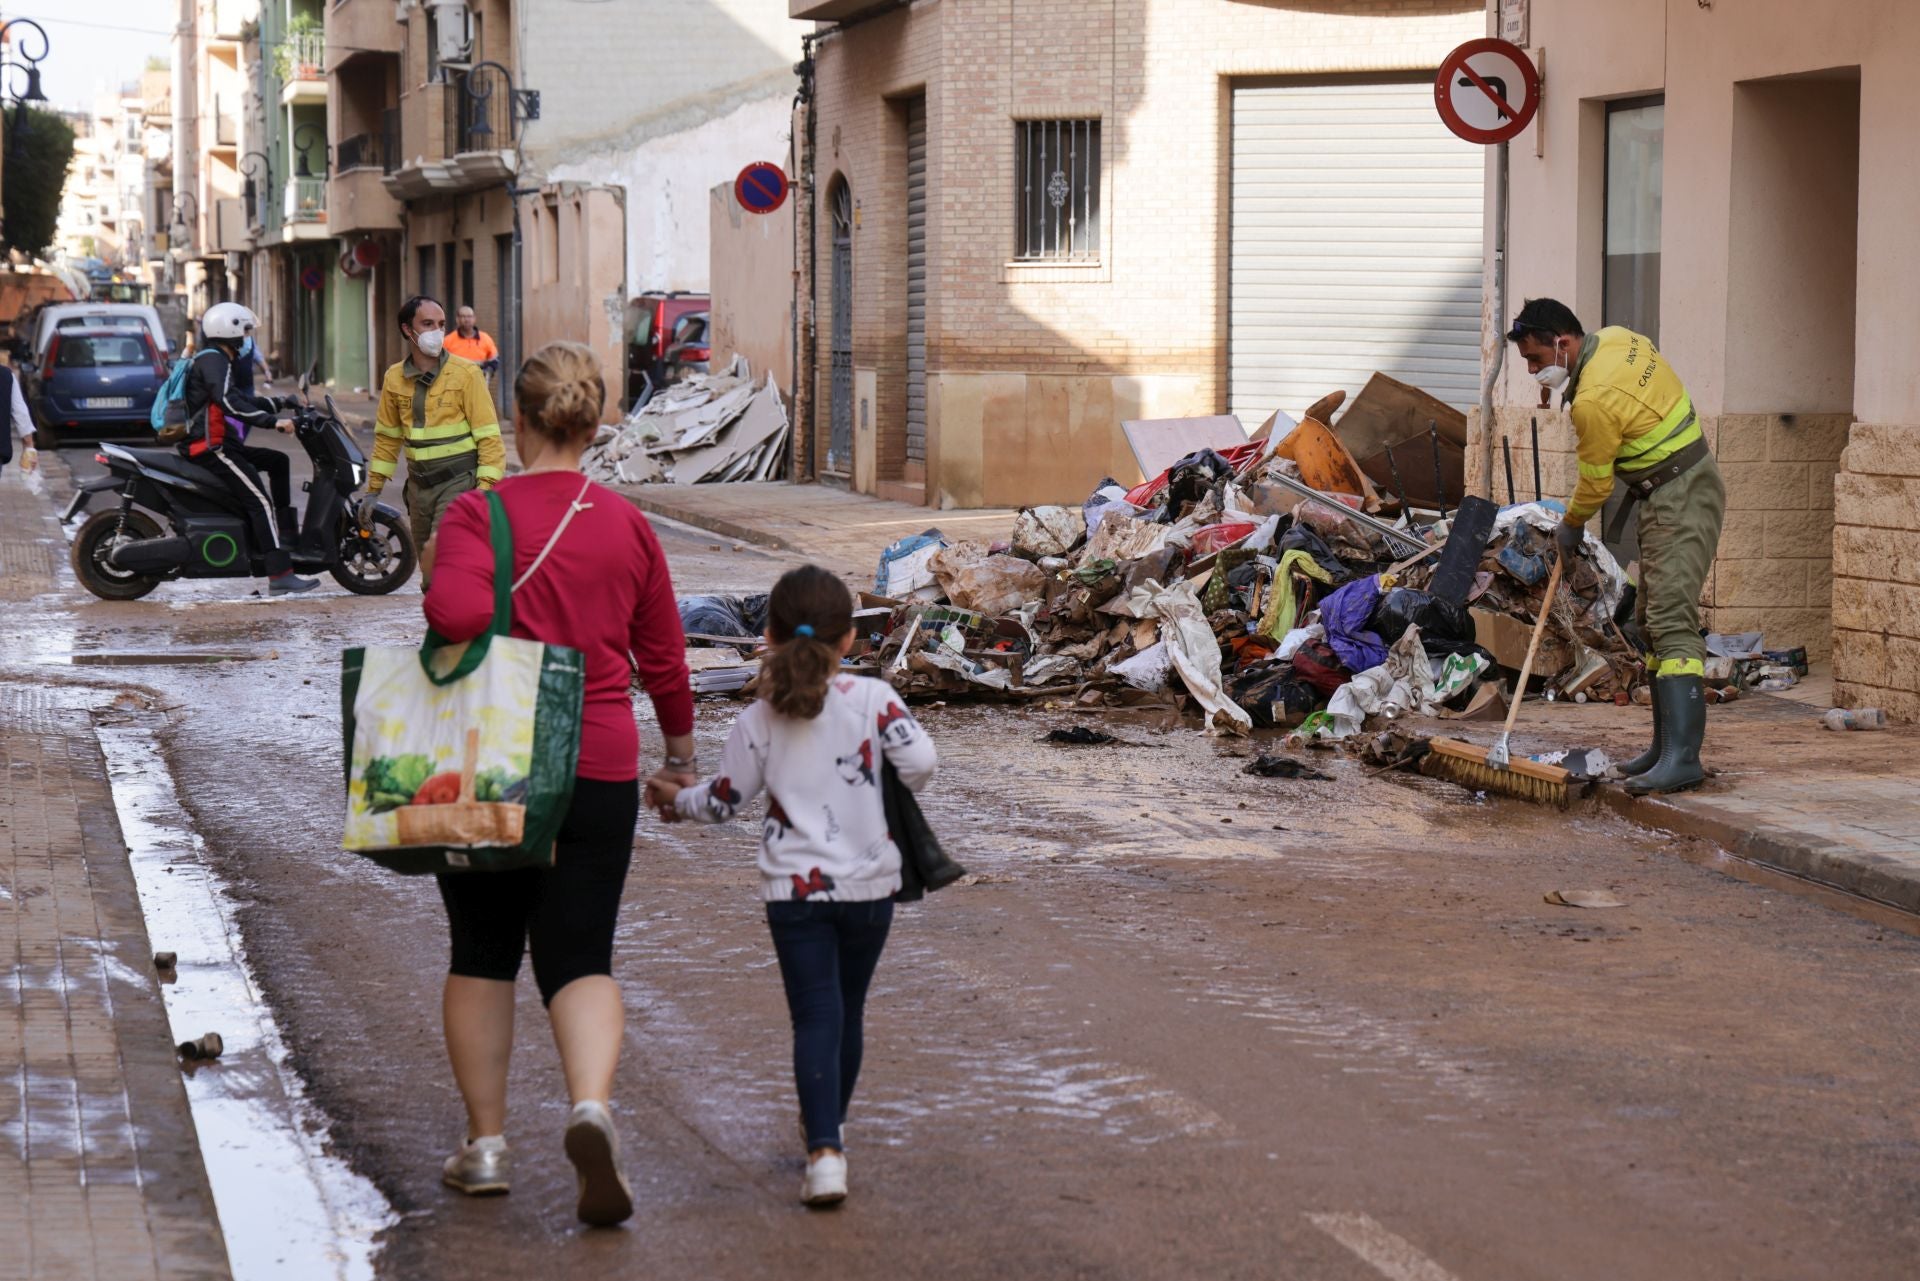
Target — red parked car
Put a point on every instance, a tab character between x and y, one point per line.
653	332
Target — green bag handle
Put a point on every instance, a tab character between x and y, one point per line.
476	653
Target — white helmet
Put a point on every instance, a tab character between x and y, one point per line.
228	320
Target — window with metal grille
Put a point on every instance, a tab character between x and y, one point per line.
1058	189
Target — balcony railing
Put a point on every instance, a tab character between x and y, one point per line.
304	56
480	114
390	139
306	200
362	151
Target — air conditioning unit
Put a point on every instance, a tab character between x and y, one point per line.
452	31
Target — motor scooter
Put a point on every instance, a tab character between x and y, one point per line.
123	553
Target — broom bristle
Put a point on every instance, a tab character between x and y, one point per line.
1477	774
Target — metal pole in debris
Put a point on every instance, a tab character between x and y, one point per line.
1506	448
1399	489
1499	308
1535	421
1439	481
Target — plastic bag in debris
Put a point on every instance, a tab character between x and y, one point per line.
1290	643
1123	538
1403	683
1047	531
1276	697
1545	518
1194	652
1442	623
904	565
1219	537
1146	670
1106	500
744	616
993	585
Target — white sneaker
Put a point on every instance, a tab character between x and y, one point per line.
826	1181
594	1148
479	1168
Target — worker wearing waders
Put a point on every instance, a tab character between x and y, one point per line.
435	406
1635	421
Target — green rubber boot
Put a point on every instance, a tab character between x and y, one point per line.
1649	758
1681	715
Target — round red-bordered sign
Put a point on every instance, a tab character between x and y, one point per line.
312	277
1487	91
761	187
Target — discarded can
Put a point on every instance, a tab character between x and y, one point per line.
207	1047
1843	718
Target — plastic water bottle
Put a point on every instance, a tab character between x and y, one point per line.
1842	718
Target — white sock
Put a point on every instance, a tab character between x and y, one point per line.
489	1142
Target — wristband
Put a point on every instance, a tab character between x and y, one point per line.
681	762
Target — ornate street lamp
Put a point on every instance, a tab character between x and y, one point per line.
310	131
30	64
255	165
522	104
186	213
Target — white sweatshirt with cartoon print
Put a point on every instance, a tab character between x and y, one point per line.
825	832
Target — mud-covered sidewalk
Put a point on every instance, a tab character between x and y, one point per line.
100	1167
1834	808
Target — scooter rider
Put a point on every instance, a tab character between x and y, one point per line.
218	417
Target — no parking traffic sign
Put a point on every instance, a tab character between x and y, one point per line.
761	187
1487	90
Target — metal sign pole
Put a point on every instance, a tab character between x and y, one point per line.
1499	355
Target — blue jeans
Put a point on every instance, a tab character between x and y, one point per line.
828	952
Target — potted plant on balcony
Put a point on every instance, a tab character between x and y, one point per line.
285	65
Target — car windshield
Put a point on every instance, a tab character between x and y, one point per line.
89	353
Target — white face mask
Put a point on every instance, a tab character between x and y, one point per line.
1555	376
431	342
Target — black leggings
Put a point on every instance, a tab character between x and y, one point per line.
565	912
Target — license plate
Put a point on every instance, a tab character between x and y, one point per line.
106	402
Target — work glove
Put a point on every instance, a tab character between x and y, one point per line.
1567	539
363	511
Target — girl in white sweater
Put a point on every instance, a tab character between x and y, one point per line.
817	742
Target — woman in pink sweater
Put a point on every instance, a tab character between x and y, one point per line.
603	589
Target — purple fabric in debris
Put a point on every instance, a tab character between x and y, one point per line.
1344	614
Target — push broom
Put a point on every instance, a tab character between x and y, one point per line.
1492	769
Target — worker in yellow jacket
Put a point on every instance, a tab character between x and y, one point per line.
1635	421
433	405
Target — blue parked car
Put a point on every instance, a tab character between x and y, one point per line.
98	382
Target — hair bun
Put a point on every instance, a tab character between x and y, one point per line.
561	390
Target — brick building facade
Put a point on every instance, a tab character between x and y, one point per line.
1031	361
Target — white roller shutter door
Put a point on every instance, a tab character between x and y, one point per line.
1355	246
917	281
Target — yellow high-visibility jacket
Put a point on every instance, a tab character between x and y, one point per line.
1630	410
436	417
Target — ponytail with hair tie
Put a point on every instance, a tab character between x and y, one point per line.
808	604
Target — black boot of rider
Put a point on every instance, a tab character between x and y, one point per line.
1649	758
1682	719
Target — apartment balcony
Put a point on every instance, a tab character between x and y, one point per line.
479	134
304	211
356	28
830	10
301	62
357	196
230	231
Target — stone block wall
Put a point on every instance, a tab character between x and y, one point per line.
1876	571
1777	546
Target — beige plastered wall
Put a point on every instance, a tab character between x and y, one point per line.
1032	369
752	286
573	273
1788	266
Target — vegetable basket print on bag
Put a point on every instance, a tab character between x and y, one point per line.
462	758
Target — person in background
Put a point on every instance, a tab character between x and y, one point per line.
817	741
435	405
588	574
472	342
21	426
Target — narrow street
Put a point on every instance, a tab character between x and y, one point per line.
1183	1022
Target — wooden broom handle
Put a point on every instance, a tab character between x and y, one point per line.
1533	647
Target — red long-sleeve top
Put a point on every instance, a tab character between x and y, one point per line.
604	590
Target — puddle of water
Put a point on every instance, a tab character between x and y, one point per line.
176	658
287	1207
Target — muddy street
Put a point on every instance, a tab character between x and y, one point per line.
1180	1021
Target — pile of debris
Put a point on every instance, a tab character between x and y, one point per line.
1268	580
710	428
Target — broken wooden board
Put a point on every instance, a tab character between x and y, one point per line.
764	420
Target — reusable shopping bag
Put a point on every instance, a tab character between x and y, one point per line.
462	757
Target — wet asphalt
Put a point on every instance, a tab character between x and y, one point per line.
1184	1023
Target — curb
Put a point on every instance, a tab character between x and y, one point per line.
1875	878
701	520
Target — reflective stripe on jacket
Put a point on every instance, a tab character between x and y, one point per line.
437	416
1630	411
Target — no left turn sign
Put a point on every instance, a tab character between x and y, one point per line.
1487	90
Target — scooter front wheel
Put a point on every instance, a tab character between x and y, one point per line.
96	542
377	563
